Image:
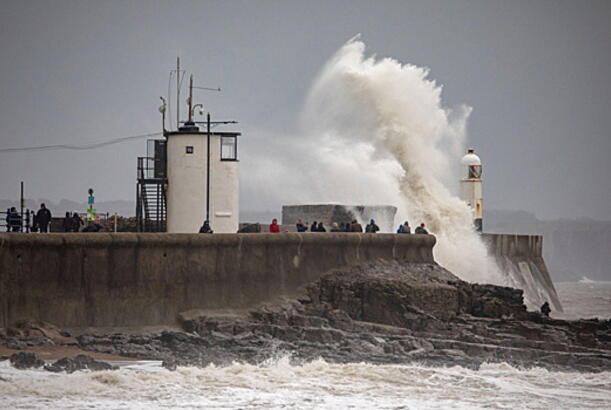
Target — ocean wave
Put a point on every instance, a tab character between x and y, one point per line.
283	382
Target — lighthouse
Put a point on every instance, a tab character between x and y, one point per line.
471	186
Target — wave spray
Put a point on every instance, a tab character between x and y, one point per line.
380	135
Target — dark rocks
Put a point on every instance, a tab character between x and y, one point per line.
26	360
80	362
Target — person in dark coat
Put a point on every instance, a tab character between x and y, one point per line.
43	218
356	227
314	227
67	222
372	227
545	309
300	226
34	226
13	220
206	228
421	229
77	222
320	228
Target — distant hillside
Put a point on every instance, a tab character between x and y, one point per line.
572	248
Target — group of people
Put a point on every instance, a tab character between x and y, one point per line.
405	228
40	221
352	226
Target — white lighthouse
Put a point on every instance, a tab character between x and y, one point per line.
471	186
202	170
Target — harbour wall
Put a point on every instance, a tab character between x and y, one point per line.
135	279
520	259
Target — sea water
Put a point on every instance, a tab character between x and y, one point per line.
285	384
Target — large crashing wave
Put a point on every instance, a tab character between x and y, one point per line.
379	134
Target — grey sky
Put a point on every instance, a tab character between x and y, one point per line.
535	72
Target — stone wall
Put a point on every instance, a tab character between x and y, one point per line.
126	279
520	258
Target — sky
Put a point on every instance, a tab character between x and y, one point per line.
536	74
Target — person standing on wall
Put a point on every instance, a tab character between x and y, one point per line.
356	226
13	220
67	222
274	227
43	218
372	227
77	222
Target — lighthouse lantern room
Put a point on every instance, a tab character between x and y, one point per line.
471	186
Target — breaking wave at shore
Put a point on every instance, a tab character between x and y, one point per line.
316	384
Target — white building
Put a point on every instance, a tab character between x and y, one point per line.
471	186
201	187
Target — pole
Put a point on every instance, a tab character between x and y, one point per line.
191	98
177	93
115	222
208	170
21	203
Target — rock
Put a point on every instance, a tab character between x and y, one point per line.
80	362
169	364
26	360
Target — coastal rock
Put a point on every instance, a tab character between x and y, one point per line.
80	362
26	360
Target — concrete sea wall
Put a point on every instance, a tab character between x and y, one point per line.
105	279
520	258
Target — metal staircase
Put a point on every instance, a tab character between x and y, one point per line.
151	204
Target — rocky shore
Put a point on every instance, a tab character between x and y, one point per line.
382	312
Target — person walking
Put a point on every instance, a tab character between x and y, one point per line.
372	227
43	218
274	227
421	229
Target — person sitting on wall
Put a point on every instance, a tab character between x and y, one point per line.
314	227
372	227
274	227
545	309
421	229
300	226
206	228
77	222
404	228
355	226
43	218
320	228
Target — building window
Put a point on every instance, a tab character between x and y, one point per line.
229	148
189	149
475	171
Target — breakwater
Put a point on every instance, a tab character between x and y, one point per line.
105	279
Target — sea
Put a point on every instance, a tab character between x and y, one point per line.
283	383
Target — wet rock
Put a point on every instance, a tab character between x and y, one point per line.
80	362
26	360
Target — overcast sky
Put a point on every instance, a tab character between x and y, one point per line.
537	74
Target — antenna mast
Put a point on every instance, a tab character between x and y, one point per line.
177	93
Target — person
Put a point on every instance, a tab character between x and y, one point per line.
67	222
355	226
43	218
300	226
372	227
404	228
314	227
274	227
348	227
320	227
545	309
13	220
421	229
335	227
206	228
34	219
77	222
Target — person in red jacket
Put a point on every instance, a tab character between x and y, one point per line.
274	227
